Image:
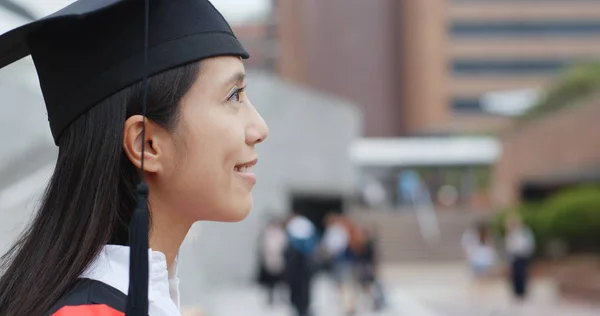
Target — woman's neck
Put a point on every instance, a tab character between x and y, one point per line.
167	241
168	227
167	234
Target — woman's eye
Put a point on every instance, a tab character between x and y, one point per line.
236	95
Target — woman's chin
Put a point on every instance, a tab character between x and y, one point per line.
238	212
235	210
235	217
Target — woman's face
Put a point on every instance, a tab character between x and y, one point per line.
208	173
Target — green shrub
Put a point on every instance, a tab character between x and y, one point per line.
575	217
572	216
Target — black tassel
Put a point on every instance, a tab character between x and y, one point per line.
137	299
137	296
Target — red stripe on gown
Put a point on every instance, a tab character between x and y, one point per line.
88	310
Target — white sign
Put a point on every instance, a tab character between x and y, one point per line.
510	103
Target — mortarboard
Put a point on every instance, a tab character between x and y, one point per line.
92	49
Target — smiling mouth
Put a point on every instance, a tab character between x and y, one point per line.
244	171
245	167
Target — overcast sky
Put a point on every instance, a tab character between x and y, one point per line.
234	10
238	10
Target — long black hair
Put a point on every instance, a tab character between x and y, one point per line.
90	198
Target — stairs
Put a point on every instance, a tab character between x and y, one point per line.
400	240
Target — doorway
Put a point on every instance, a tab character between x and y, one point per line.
316	207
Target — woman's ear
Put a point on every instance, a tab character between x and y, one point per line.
132	143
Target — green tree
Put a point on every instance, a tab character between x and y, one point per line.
573	87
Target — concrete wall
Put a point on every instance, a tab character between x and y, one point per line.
23	118
27	147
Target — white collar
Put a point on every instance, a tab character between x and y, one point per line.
111	267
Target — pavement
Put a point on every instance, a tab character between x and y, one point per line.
441	289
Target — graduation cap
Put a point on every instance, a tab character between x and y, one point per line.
92	49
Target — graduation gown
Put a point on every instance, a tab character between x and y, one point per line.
102	288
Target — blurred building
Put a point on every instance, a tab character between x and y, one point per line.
556	151
511	45
422	67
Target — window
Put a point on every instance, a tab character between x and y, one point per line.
507	66
466	105
526	28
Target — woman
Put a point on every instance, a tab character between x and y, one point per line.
520	247
273	243
344	242
481	255
367	266
299	261
195	151
478	246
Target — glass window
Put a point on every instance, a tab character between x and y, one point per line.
526	28
507	66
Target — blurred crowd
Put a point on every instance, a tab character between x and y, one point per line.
293	251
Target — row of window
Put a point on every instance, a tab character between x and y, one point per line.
526	28
514	29
466	105
513	67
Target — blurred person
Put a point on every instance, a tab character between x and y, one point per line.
356	246
299	261
273	243
374	194
146	93
367	266
448	195
336	244
520	247
352	260
478	246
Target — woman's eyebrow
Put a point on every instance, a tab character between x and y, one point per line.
238	77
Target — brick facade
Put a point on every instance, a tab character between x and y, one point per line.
385	55
552	147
